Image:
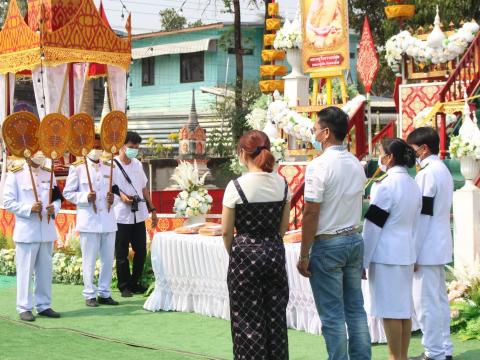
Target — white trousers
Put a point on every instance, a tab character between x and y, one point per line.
433	310
34	260
93	244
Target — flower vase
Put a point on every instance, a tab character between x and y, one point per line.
195	220
469	167
294	58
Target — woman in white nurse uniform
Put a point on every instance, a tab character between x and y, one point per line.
390	245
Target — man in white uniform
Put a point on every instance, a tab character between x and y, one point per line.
97	229
435	246
33	237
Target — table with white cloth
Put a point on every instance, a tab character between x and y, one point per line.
191	276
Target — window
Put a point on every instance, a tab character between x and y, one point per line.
148	71
244	51
191	67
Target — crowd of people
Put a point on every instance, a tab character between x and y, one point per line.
401	249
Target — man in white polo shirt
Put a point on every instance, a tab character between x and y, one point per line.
131	214
331	254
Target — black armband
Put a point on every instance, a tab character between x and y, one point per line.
57	194
377	215
116	190
427	205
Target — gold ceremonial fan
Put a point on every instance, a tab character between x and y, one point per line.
82	140
54	135
82	134
20	132
113	131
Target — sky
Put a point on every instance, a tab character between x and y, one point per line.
145	16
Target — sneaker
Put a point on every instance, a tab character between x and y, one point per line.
27	316
91	302
126	293
49	313
420	357
107	301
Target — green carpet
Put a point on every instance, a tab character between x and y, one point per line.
7	282
130	331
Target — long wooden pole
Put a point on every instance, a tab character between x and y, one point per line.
90	183
111	180
50	192
35	193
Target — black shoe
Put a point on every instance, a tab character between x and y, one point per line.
49	313
420	357
449	357
138	289
126	293
107	301
91	302
27	316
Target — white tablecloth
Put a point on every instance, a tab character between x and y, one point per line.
191	273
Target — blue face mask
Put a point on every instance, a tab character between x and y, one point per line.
315	143
131	153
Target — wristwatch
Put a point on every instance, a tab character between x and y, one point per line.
304	258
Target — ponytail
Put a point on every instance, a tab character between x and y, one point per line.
256	145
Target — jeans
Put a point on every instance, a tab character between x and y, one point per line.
336	267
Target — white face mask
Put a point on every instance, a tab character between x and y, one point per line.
95	154
382	167
38	159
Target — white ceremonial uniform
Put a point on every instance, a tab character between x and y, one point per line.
434	251
390	243
33	238
97	230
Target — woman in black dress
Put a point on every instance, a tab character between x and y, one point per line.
258	205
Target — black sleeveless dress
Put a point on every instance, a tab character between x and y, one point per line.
257	281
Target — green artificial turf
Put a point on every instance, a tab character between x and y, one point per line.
161	331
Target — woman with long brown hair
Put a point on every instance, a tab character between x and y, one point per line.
258	205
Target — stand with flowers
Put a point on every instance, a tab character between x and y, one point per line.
193	202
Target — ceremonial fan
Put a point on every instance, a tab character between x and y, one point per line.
20	131
82	140
53	137
113	133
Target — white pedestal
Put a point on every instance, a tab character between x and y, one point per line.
466	217
296	88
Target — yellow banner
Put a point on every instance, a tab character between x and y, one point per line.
325	45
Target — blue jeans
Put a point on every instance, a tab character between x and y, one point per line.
336	267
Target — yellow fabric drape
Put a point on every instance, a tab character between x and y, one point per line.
273	24
273	70
273	9
272	55
267	86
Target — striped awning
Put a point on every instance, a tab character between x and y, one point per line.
175	48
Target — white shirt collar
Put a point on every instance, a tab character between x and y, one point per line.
397	170
335	148
428	160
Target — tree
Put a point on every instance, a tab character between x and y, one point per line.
382	29
170	19
195	23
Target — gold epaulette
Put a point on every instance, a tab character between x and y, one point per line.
15	169
47	169
107	162
380	178
421	168
78	162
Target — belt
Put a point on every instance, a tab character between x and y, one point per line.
343	232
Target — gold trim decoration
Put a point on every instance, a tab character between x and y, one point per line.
272	55
273	24
273	70
267	86
399	11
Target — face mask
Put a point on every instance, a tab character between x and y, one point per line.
131	153
315	143
382	166
38	159
95	154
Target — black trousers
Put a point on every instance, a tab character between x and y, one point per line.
136	235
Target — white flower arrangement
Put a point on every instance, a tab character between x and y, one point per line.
194	199
462	148
278	147
419	119
289	36
404	43
257	119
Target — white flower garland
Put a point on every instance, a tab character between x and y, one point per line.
289	36
406	44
